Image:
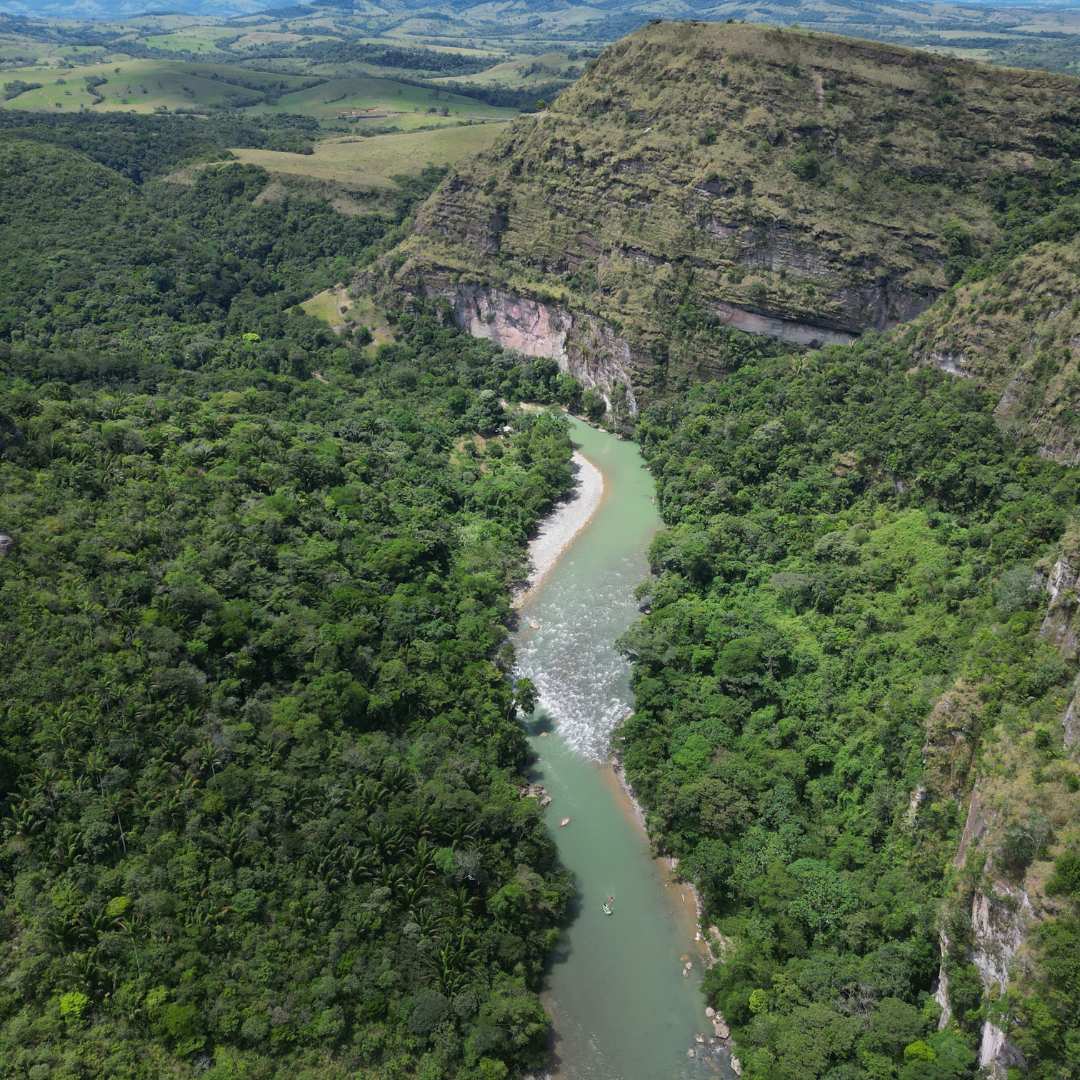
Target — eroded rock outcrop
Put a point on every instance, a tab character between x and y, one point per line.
1017	333
1000	918
1061	626
582	344
998	895
1070	722
999	914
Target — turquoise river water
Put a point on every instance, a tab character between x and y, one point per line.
622	1007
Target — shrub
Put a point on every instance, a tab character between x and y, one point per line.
806	165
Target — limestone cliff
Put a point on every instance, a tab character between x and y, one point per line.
998	899
704	176
1062	627
998	914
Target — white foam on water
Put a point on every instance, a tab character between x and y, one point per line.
586	700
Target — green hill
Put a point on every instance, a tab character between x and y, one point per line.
146	86
706	177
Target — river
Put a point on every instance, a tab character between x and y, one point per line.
622	1007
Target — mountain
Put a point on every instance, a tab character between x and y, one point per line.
127	9
703	178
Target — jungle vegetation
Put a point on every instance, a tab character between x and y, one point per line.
259	809
849	539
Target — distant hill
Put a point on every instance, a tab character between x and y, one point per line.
975	25
126	9
798	186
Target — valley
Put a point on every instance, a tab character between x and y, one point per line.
307	317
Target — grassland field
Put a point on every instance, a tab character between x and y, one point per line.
331	98
359	163
146	86
338	309
522	72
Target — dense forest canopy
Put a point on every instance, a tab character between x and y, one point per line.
848	541
260	740
260	743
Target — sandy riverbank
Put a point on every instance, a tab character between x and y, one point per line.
559	528
686	903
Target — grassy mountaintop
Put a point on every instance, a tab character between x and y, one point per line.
800	185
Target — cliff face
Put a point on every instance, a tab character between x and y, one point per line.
1018	334
582	344
1062	627
996	903
999	915
705	176
1062	623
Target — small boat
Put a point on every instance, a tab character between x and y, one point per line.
608	910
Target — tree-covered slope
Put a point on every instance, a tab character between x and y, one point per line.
89	258
1016	331
844	632
792	184
259	747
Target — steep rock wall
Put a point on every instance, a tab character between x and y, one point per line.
1062	627
1000	913
582	345
701	178
1003	910
1000	918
